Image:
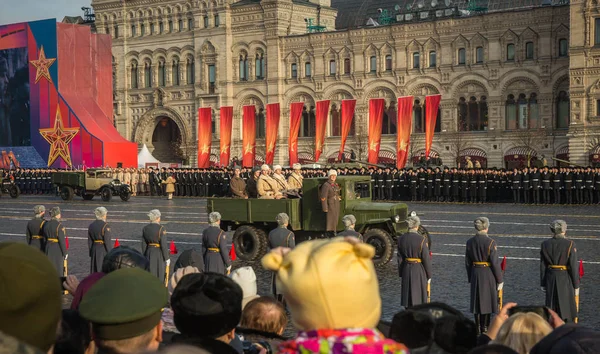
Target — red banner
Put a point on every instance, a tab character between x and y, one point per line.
225	134
405	112
273	115
321	123
204	136
432	104
376	107
348	107
248	135
295	119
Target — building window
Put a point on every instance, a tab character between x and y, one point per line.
175	73
217	20
161	28
180	25
373	64
116	31
142	29
418	117
522	113
416	60
597	31
134	75
151	28
510	52
190	71
511	112
261	124
307	69
597	107
161	74
212	78
563	47
148	75
170	26
243	68
479	55
472	115
294	70
308	125
336	121
432	59
260	66
332	67
562	110
205	21
133	31
347	66
390	115
529	50
462	56
388	63
190	24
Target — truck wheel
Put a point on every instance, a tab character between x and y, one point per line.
14	191
250	243
423	232
106	194
382	241
66	193
88	196
125	195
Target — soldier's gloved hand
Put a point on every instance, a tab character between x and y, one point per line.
543	288
500	286
66	256
168	262
577	292
429	281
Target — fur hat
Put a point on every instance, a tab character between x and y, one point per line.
481	223
413	222
558	227
246	279
316	278
180	273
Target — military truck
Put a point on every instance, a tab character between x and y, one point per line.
90	183
252	219
8	185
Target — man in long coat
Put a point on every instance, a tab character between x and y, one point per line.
484	274
54	239
35	227
154	245
295	179
237	185
281	237
99	239
414	264
559	272
330	202
214	247
267	187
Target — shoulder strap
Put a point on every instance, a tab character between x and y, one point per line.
287	239
421	249
41	227
104	227
569	252
159	233
219	237
490	248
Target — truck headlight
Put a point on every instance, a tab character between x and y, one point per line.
396	219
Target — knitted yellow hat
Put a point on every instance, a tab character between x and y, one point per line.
328	284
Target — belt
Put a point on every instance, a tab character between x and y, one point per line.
589	181
412	260
53	240
578	180
557	267
213	249
516	182
36	237
535	179
482	264
153	245
557	180
99	241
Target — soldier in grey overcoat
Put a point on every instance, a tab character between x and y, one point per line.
35	227
559	272
214	247
99	239
154	245
330	202
54	239
484	274
281	237
349	222
414	264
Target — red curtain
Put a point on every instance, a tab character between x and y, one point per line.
204	136
295	119
248	136
348	107
321	123
432	104
225	134
405	111
376	107
273	114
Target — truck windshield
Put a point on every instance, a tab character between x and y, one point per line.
358	190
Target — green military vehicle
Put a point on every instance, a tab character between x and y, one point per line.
252	219
90	183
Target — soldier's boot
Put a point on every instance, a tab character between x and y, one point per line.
477	323
485	322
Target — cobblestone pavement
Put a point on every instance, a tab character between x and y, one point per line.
518	230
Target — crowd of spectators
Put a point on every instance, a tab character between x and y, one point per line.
331	297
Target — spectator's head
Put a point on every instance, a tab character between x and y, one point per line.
30	295
413	222
39	211
55	213
214	218
74	335
482	224
100	213
333	268
246	279
189	258
180	273
207	305
522	331
154	215
264	314
349	222
124	257
569	338
283	219
84	286
125	309
558	227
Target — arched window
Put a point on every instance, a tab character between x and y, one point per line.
418	117
347	66
483	112
151	28
529	50
259	65
373	64
388	63
510	52
533	119
190	24
133	31
389	119
116	31
308	122
148	74
170	26
161	28
462	56
243	67
180	25
562	110
336	120
463	115
260	123
190	71
332	68
175	73
563	47
307	69
416	60
205	21
161	74
432	59
511	112
472	115
479	55
294	70
522	111
134	75
217	21
142	30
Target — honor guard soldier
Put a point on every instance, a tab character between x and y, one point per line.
589	186
437	185
35	228
414	264
447	182
484	274
516	186
579	186
281	237
546	177
422	184
154	245
473	186
568	185
465	180
559	272
380	184
388	185
237	185
430	179
482	188
54	239
349	222
99	239
535	185
330	202
557	184
214	246
413	180
526	183
597	184
456	176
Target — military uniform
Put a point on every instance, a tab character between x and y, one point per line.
99	244
34	233
589	187
546	180
516	187
295	181
557	183
579	187
526	182
55	247
330	203
238	188
535	186
414	266
280	237
352	233
267	187
568	185
214	250
251	186
154	247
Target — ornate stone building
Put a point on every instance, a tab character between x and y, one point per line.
504	84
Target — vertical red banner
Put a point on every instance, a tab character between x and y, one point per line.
348	107
376	107
295	119
432	104
204	136
405	111
248	135
321	123
226	118
273	115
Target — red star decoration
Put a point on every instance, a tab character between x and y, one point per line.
43	66
59	138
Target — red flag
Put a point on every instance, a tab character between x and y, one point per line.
321	123
581	271
432	104
173	248
226	123
376	107
248	136
503	264
67	242
273	115
295	119
204	136
232	254
348	107
405	112
117	244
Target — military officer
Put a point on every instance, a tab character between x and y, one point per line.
447	182
35	228
295	179
482	186
266	185
54	239
349	222
516	186
154	245
214	246
559	272
589	186
579	176
280	237
484	274
535	185
252	183
414	264
388	185
237	185
413	180
330	202
282	185
546	177
99	239
557	184
568	185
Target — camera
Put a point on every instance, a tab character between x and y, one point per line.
255	347
540	310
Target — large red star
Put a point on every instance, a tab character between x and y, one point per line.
43	66
59	138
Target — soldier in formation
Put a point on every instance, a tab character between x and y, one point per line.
281	237
414	264
214	246
54	240
349	222
154	245
99	239
35	227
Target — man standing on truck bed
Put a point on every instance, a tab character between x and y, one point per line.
330	202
